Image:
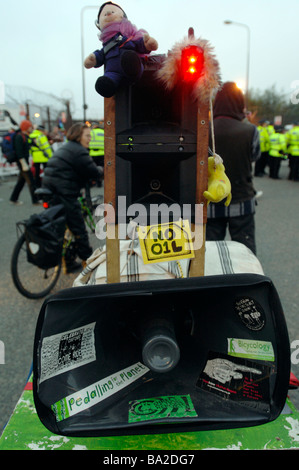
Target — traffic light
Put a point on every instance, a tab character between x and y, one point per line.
192	63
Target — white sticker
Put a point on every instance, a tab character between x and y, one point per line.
97	392
67	350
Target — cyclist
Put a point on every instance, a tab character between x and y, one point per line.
67	172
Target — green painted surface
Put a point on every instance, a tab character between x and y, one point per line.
25	432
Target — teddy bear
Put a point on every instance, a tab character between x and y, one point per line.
123	49
219	186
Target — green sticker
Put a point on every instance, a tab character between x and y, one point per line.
250	349
97	392
60	410
174	406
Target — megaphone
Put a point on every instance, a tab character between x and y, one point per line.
161	356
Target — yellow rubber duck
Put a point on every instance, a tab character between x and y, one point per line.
219	186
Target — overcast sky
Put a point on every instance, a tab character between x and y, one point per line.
41	41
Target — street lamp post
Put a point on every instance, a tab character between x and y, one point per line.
82	55
248	54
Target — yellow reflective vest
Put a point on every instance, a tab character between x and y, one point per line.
264	139
96	146
277	145
40	148
293	141
270	129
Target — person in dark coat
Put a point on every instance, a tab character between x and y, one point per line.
67	172
21	145
237	143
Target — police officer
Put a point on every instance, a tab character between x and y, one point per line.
277	151
263	161
270	128
96	146
293	151
41	152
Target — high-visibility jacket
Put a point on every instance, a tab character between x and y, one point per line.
277	145
96	145
40	148
270	129
264	139
293	141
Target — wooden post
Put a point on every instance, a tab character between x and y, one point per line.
112	242
197	265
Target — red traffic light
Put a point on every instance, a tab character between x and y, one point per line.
192	63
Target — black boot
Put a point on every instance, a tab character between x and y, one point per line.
131	65
105	87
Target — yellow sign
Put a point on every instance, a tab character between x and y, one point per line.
166	242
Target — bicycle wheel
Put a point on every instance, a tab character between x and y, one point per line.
31	281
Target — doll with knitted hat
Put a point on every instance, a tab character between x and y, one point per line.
122	51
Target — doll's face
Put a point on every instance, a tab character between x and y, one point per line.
110	14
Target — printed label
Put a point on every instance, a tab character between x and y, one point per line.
237	379
250	313
166	242
66	351
97	392
250	349
174	406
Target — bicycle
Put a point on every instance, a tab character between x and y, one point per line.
88	206
30	280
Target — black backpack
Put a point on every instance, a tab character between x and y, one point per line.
44	235
8	146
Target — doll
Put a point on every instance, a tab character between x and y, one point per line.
122	52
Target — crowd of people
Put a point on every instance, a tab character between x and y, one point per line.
33	149
68	162
70	159
277	144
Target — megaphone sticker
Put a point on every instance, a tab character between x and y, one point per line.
237	379
66	351
175	406
250	313
97	392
